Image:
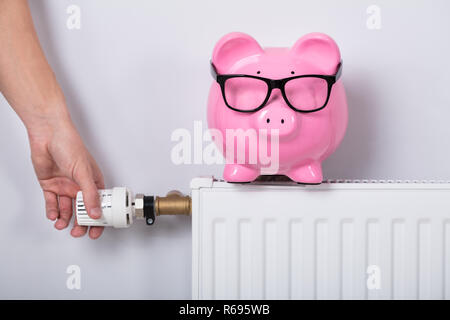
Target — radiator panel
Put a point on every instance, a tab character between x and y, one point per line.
321	242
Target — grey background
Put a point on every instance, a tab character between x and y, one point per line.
137	70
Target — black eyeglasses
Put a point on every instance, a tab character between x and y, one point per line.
247	93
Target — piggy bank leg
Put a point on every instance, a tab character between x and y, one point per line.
310	173
239	173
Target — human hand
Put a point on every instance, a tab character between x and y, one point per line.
63	166
61	161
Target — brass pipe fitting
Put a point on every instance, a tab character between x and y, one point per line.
174	203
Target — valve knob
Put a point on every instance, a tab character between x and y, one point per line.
117	209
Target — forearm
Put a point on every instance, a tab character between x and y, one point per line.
26	79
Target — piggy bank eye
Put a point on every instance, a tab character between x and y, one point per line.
292	72
258	72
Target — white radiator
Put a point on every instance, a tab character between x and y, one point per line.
366	240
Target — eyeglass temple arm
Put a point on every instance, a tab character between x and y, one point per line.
339	70
213	71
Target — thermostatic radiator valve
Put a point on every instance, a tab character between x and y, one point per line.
120	207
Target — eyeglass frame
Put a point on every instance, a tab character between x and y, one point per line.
276	84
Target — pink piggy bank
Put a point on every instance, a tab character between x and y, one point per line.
276	110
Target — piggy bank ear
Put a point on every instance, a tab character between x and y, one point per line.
319	50
232	48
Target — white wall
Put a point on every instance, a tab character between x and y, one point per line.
137	70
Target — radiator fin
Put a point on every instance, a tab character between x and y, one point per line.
398	259
297	256
447	260
348	258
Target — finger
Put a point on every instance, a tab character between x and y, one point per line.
65	212
84	178
99	182
51	205
60	185
95	232
77	230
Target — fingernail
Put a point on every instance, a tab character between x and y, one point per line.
96	213
58	224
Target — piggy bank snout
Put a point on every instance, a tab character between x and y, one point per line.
278	117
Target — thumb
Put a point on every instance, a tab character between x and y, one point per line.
84	177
